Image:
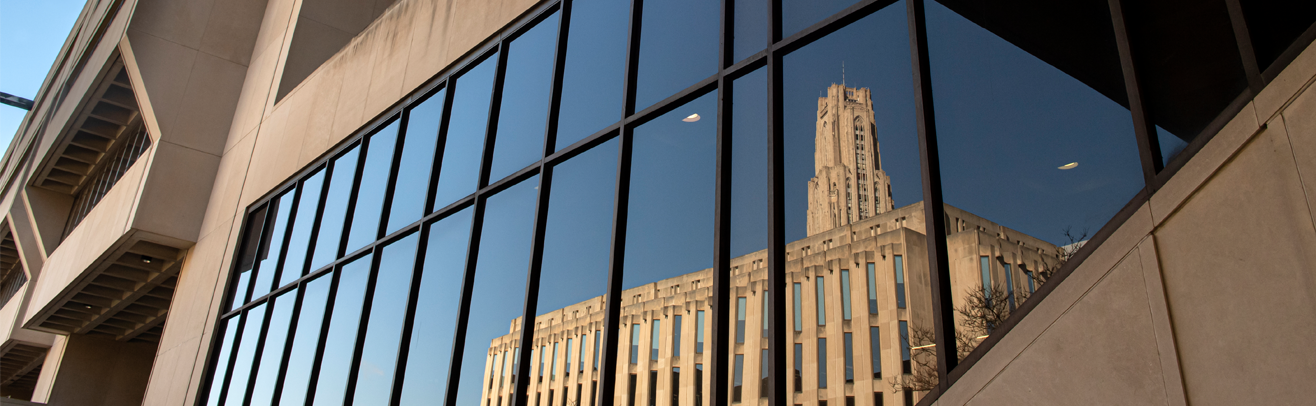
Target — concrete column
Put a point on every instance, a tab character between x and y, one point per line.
95	371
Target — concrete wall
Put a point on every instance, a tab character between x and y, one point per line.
81	378
1205	296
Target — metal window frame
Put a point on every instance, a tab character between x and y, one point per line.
1156	173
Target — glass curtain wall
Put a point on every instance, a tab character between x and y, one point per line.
613	180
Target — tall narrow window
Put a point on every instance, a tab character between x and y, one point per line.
699	332
597	336
493	363
872	288
798	326
580	356
1009	285
653	388
821	284
630	392
986	280
699	384
845	294
1031	287
849	358
822	362
737	378
635	343
740	320
799	367
899	263
763	314
876	337
653	351
566	359
905	366
552	366
543	352
676	336
676	386
763	374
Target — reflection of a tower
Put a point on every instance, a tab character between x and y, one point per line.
849	184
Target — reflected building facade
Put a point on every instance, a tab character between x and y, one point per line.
858	298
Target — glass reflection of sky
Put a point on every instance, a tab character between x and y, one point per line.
500	277
460	167
875	55
595	69
578	233
749	163
1006	121
527	84
678	47
669	229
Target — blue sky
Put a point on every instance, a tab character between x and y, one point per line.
31	33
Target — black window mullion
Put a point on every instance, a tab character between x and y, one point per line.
1245	50
260	348
722	213
367	301
778	336
468	284
361	158
612	309
294	192
232	359
448	86
559	71
532	284
933	207
495	104
314	379
409	321
1149	148
394	168
288	341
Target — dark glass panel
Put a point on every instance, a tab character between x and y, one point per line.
498	294
271	244
1275	25
678	47
749	165
797	15
437	304
751	27
388	309
245	357
247	253
306	339
342	174
308	203
344	321
271	358
222	360
527	84
417	162
464	141
374	183
595	69
578	232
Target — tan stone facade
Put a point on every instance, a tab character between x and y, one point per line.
850	184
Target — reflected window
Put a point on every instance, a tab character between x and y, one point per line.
653	341
738	373
635	343
821	298
676	336
849	358
845	294
899	264
986	270
822	363
699	332
799	367
872	288
740	320
796	315
1009	285
905	366
874	334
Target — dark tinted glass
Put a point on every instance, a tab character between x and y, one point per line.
245	356
527	83
342	174
344	320
222	361
437	304
678	47
271	358
460	168
306	339
595	69
497	297
374	182
308	203
276	225
247	253
578	234
388	308
751	27
749	164
1275	25
797	15
417	162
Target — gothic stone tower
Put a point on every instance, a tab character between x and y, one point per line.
848	184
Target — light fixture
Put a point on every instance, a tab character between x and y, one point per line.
691	118
88	306
146	259
1069	166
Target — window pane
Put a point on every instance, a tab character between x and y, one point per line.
527	83
852	187
676	336
388	309
305	341
271	244
740	320
497	297
751	34
875	345
271	357
247	253
678	47
222	361
342	172
737	378
339	345
797	15
418	150
464	142
595	69
796	314
749	170
699	332
246	355
374	182
437	303
1274	26
308	203
1051	121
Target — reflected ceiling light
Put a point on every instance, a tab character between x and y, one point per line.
691	118
1069	166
